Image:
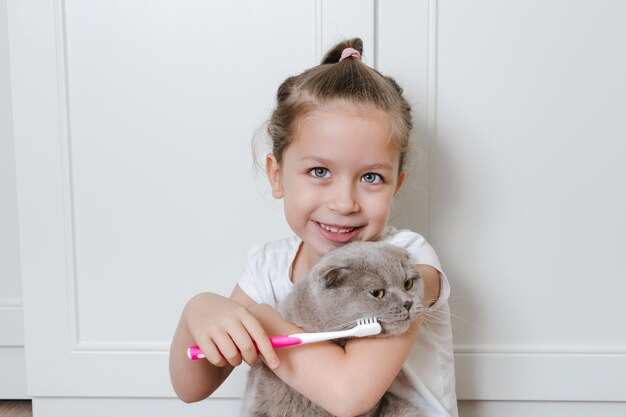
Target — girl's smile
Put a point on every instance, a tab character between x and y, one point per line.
337	178
337	233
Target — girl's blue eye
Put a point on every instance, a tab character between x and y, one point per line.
319	172
372	178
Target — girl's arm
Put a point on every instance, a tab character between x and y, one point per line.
224	329
345	381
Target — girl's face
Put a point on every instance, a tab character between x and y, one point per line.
338	178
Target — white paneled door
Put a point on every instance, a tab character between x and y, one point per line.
137	189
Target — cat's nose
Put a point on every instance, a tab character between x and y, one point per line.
408	304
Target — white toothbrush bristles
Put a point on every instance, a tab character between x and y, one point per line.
366	320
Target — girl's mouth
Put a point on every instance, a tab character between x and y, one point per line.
336	229
336	233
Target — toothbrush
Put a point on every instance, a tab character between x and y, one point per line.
367	326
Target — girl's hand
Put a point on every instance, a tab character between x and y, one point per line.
227	332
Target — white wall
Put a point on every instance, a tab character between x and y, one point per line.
527	203
527	200
12	364
120	110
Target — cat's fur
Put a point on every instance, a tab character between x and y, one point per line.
333	296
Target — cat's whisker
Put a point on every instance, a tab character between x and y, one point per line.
440	311
391	315
429	316
436	314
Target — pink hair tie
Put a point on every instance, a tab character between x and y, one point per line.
350	52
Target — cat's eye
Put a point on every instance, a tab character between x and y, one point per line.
408	284
378	293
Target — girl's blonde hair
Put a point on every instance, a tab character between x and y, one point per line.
334	81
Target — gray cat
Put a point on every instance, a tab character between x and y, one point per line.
357	280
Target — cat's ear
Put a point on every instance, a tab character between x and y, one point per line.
334	276
410	269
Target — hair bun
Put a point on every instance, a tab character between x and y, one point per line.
334	54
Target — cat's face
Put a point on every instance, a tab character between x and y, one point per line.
364	279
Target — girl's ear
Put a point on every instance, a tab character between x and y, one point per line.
272	169
399	183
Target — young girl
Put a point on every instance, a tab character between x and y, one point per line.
340	135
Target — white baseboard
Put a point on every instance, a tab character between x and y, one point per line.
133	407
167	407
12	360
541	409
12	373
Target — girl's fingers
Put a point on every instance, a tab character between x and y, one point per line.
212	354
236	338
229	349
246	346
226	348
244	339
242	342
262	340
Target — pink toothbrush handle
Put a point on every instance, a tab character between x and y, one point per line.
282	341
195	353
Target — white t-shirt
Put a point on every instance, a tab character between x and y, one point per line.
427	376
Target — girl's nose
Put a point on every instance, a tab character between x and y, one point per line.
343	200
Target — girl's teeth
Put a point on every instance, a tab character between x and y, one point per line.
335	229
